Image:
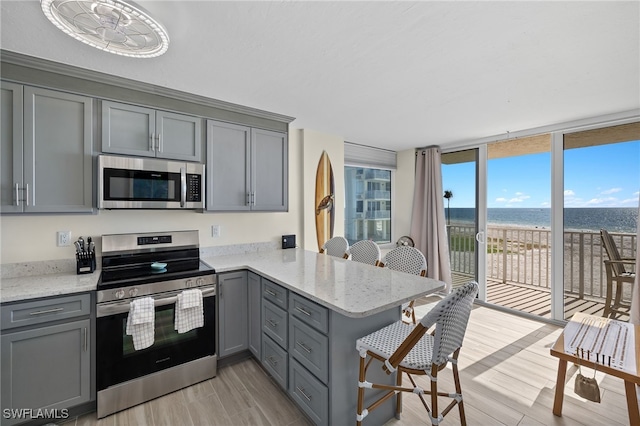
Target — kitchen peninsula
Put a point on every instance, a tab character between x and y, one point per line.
312	308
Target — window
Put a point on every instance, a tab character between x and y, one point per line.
367	204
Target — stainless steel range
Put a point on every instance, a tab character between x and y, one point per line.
160	265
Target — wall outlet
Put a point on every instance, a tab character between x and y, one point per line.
64	238
215	231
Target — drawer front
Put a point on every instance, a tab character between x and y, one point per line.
274	293
43	311
310	348
275	323
310	395
309	312
275	361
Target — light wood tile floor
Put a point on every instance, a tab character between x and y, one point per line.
507	374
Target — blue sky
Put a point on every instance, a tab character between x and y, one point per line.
600	176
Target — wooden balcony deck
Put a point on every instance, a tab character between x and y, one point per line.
535	300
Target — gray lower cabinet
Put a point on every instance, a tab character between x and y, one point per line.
254	314
46	356
232	313
46	151
140	131
247	168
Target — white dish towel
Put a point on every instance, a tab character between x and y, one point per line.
189	310
141	322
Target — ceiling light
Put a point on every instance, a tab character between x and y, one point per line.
115	26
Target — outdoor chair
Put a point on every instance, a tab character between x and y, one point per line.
617	273
336	246
410	260
364	251
405	348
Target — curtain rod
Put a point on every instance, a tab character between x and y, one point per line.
423	149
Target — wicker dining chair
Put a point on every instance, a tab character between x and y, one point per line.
410	260
405	348
364	251
617	273
336	246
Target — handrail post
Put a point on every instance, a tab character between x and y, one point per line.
581	268
504	256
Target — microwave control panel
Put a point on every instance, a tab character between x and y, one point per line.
194	188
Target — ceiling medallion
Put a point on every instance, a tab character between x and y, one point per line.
115	26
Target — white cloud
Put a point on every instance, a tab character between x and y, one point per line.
500	200
611	191
569	193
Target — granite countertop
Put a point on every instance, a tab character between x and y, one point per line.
46	285
350	288
353	289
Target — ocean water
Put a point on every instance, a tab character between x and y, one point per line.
622	219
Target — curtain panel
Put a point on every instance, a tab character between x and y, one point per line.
428	226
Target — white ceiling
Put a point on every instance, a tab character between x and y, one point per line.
389	74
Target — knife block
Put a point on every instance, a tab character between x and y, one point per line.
85	262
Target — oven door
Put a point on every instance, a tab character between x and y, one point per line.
116	359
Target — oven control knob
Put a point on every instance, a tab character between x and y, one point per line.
189	283
119	294
133	292
200	281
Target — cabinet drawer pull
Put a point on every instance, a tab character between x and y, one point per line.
273	361
303	346
301	390
302	311
48	311
270	292
272	323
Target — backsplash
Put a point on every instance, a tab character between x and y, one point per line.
66	266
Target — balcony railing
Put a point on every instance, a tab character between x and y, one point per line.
523	256
378	214
377	174
377	195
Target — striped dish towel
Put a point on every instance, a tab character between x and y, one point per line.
189	310
141	322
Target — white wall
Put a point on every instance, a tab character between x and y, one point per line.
30	238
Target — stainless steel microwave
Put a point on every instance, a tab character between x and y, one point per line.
149	183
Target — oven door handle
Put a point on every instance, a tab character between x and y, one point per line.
124	306
183	186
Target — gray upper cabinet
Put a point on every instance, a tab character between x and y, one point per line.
247	168
139	131
46	151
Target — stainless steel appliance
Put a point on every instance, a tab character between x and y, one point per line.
149	183
160	265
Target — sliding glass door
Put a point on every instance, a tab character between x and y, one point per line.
464	215
601	183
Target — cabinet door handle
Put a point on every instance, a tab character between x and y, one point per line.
306	348
253	198
301	390
151	144
26	194
17	194
48	311
302	311
270	292
272	323
85	338
159	141
248	198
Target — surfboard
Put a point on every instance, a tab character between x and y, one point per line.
324	207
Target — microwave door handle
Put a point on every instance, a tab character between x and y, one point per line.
183	186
